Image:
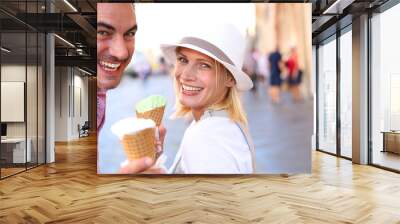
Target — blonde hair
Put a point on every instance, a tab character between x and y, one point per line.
231	101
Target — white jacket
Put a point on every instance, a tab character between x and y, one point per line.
214	145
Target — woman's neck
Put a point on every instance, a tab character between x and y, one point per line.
197	113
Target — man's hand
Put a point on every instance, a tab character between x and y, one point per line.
146	165
136	166
142	165
160	143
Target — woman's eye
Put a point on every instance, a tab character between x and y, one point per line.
182	60
204	65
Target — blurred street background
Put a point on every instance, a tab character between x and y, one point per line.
278	59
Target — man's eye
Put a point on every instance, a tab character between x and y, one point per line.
102	33
130	34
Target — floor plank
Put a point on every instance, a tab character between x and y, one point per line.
70	191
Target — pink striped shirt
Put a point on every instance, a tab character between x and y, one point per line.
101	108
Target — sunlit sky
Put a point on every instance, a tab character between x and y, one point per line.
167	22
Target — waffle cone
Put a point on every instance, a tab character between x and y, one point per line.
140	144
156	115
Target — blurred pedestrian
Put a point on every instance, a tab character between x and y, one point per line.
294	75
163	67
262	68
250	67
275	65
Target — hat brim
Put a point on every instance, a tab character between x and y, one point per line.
243	81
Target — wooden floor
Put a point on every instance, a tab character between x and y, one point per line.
388	159
70	191
10	171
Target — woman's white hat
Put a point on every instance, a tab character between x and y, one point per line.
223	43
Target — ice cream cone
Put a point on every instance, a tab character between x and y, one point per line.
137	137
140	144
152	108
155	114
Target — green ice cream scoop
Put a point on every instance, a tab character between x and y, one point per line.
150	103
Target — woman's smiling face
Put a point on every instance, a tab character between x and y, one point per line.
196	80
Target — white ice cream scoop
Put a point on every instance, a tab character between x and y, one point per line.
131	125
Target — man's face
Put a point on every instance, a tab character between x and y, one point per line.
116	28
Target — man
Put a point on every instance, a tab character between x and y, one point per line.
116	29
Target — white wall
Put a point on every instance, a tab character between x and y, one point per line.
16	73
33	126
71	94
81	101
12	101
13	73
61	103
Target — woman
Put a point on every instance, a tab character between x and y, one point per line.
208	78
